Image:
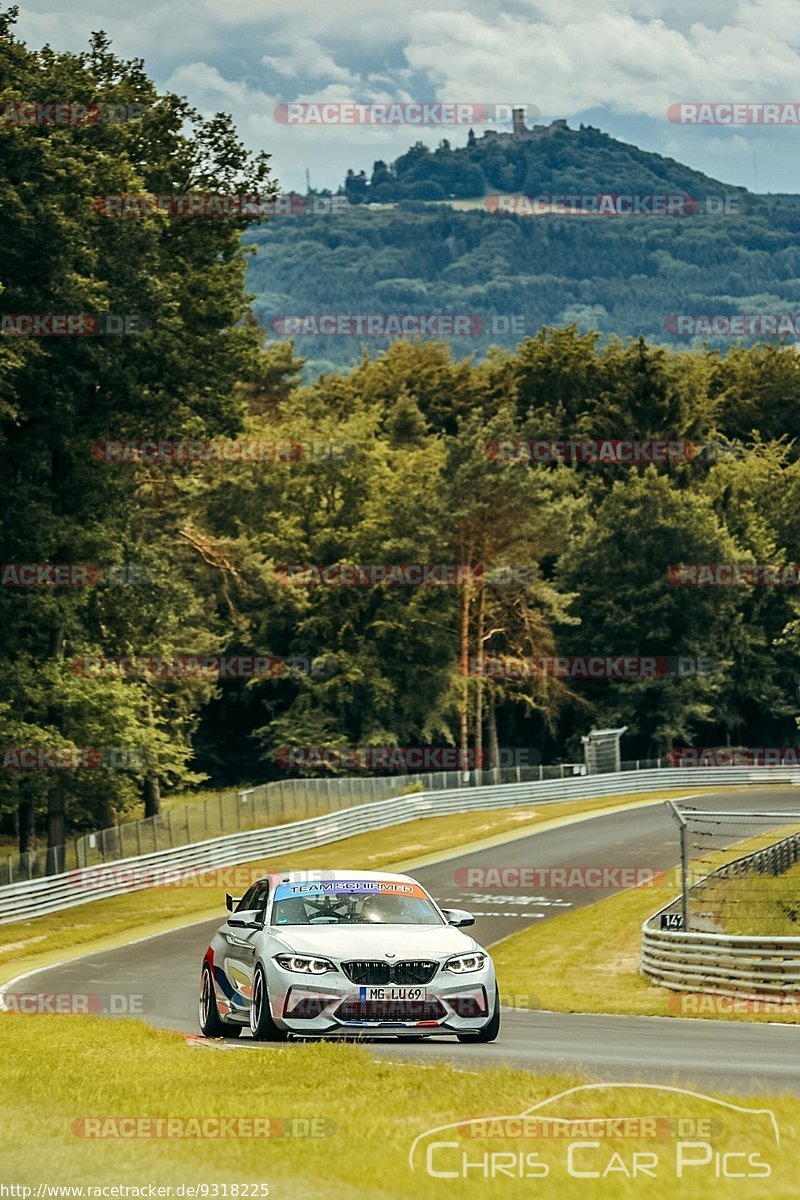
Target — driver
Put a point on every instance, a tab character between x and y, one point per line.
330	907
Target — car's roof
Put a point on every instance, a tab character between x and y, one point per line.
322	874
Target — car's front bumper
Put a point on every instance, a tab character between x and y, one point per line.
332	1004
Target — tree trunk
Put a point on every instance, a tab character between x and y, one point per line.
465	606
56	825
491	723
152	796
479	683
152	783
25	818
56	821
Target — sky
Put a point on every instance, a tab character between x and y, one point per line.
617	67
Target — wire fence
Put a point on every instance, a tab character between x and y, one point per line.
740	872
258	807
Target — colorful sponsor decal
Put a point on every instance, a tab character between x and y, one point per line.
396	887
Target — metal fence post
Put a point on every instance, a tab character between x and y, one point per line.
684	864
169	828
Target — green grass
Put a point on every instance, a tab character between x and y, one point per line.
36	941
59	1070
752	904
756	905
587	961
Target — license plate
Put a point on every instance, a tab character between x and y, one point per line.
393	993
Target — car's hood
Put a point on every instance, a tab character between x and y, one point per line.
374	941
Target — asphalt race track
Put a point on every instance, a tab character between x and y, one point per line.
706	1054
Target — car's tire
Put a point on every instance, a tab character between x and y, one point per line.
211	1023
490	1030
262	1026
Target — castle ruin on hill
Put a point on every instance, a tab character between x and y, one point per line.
519	130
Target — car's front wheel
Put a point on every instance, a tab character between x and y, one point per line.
262	1026
211	1023
490	1030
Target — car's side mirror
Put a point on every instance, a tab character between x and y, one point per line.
231	901
251	918
458	916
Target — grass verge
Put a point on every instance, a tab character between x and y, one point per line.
60	1071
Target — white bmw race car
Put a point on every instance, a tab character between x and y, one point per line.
334	952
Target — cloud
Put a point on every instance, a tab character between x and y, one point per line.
619	66
308	60
603	59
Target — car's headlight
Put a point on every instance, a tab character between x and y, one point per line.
462	964
304	964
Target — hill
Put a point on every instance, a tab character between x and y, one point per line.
552	158
507	274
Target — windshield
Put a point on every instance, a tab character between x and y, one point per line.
341	902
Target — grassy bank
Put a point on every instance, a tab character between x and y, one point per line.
369	1112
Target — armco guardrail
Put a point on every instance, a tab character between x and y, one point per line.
726	964
720	964
55	892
